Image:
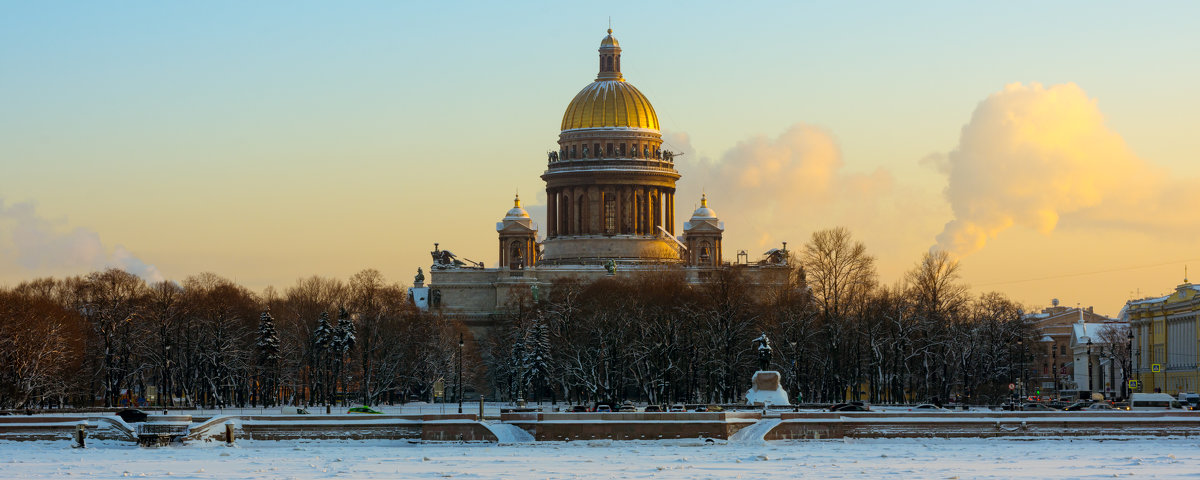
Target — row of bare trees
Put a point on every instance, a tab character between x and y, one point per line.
110	339
837	334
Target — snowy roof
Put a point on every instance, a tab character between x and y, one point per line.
1082	332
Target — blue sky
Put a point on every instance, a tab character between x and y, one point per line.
253	138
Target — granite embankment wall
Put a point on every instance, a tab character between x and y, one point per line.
983	424
630	425
450	427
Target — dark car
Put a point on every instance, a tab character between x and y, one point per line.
579	408
653	408
1038	407
850	407
1077	406
132	415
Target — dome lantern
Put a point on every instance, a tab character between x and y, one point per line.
610	59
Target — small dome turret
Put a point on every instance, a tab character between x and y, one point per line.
704	213
516	212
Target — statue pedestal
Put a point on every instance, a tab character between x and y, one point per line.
766	390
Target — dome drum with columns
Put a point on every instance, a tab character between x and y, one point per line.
610	196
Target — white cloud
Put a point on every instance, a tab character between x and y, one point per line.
42	246
1033	156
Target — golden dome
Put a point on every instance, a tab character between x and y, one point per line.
609	41
610	103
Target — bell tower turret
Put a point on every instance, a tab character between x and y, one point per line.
518	238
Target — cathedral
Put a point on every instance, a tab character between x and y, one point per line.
610	191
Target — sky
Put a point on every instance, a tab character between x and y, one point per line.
1049	145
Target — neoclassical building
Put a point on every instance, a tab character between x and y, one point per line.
610	190
1166	340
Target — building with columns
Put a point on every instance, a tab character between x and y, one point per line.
610	191
1166	340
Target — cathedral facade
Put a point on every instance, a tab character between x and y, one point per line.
610	191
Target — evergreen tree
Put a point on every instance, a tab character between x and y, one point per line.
322	342
343	341
537	358
268	356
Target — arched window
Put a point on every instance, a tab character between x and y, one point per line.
705	248
516	255
610	214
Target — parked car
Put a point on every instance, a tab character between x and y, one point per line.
132	415
1100	406
1038	407
364	409
678	407
603	408
1153	401
627	407
927	406
701	408
653	408
1077	406
850	407
579	408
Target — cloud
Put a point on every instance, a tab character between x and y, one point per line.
39	245
771	189
1034	156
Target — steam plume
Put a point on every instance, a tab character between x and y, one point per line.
34	243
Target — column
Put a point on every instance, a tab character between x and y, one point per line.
551	213
565	206
635	211
648	225
671	213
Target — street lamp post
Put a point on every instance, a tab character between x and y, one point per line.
1021	366
1089	362
1054	370
1129	354
460	386
795	374
1049	342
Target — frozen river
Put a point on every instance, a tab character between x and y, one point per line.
892	458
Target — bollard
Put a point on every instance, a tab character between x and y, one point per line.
229	434
81	435
481	408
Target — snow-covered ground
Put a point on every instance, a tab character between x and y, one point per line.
689	459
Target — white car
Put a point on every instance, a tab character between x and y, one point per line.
1153	401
